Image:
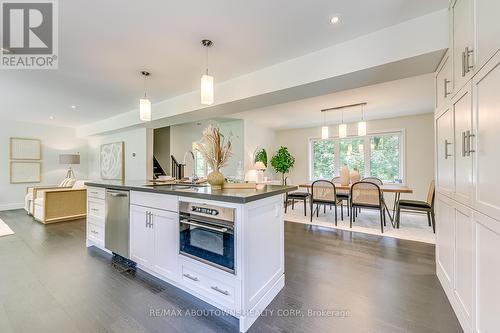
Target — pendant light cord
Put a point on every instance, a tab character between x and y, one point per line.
207	60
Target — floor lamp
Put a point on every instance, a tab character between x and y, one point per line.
69	159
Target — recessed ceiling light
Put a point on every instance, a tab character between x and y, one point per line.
73	107
335	20
51	117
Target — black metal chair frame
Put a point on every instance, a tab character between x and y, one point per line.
344	196
299	196
408	208
330	203
380	207
369	180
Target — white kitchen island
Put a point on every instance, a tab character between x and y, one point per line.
255	270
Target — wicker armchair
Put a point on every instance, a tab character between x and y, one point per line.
60	204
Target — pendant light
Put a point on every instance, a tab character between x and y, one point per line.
324	129
342	128
362	123
145	103
207	81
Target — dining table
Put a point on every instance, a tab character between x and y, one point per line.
395	188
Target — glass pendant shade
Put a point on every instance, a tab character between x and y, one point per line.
207	89
342	130
324	132
145	109
362	128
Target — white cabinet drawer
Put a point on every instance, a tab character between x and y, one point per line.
153	200
96	208
98	193
95	233
100	222
214	285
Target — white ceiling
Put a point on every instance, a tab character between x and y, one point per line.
104	45
414	95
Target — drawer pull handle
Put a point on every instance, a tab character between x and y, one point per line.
225	292
94	232
194	278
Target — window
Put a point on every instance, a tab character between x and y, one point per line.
385	157
352	154
202	167
378	155
324	159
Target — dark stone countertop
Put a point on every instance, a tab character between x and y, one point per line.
239	196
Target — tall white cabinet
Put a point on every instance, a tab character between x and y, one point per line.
467	124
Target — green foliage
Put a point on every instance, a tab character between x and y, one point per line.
384	157
283	161
324	159
352	155
261	156
384	161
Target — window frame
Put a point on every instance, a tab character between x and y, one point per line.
366	150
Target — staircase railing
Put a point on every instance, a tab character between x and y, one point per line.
177	168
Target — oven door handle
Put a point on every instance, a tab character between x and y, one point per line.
204	226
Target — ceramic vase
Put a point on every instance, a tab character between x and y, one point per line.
344	176
355	177
215	179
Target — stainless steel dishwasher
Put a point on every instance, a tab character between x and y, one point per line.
117	231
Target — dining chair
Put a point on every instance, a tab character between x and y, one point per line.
344	195
367	195
323	192
296	195
426	206
373	180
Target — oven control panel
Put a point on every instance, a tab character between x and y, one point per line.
205	210
209	211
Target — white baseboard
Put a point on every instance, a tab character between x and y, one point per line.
11	206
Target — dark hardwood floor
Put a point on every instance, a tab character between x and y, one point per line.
336	281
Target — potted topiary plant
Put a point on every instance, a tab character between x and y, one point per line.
283	162
261	156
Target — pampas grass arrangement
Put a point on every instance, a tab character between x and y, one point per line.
214	147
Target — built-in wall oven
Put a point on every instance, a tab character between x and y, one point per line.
207	234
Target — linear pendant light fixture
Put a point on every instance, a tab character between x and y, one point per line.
145	103
362	123
207	81
324	129
343	126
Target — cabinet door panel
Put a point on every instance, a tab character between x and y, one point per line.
462	112
443	82
141	236
464	261
445	163
487	29
166	243
487	157
445	234
463	37
487	273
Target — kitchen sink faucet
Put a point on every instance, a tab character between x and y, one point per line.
194	177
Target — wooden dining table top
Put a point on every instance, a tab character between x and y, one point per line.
388	188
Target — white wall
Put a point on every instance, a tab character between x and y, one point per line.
419	141
183	136
136	143
55	140
258	135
